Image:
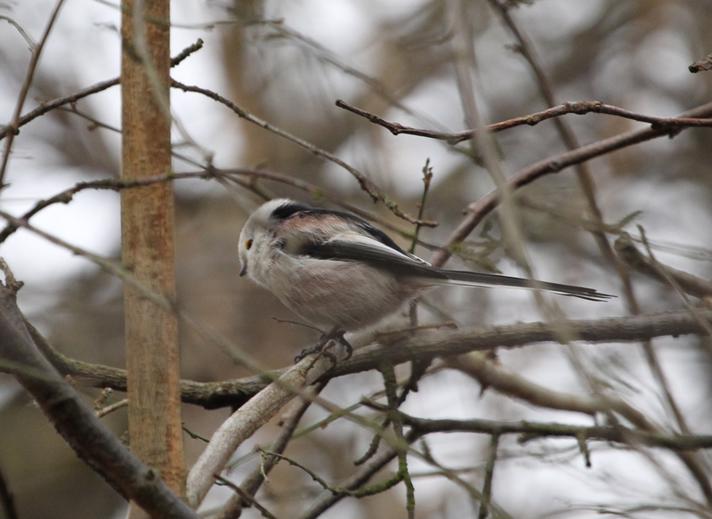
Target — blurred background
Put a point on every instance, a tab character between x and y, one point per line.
287	62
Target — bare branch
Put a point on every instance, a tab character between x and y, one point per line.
25	88
489	475
477	211
327	498
571	107
250	417
76	422
492	376
253	481
403	349
243	495
588	187
116	184
463	340
48	106
534	430
632	257
366	184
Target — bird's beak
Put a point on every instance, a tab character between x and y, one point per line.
243	269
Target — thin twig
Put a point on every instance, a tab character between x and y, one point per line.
185	53
48	106
207	174
251	484
632	257
427	179
100	413
315	477
391	387
194	435
356	480
244	495
489	476
478	210
529	431
25	36
25	88
585	179
366	184
453	476
114	184
555	111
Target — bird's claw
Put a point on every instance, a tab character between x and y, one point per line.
325	342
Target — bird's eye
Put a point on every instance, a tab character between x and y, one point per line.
248	244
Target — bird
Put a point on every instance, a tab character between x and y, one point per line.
339	273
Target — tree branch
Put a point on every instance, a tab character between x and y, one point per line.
48	106
25	88
425	345
251	484
328	498
477	211
77	423
632	257
492	376
250	417
463	340
366	184
571	107
537	430
117	184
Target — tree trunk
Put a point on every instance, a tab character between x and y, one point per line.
147	234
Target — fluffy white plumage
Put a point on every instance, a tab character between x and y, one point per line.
338	272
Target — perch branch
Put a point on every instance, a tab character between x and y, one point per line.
442	343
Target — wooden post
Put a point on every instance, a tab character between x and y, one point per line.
147	240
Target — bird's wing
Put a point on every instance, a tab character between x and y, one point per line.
354	246
341	223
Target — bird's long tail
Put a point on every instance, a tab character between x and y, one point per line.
480	279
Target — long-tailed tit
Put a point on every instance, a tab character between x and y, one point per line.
338	272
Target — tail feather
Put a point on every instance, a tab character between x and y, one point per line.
481	279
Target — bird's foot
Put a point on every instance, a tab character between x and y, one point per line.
326	341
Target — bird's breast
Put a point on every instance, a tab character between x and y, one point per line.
329	293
